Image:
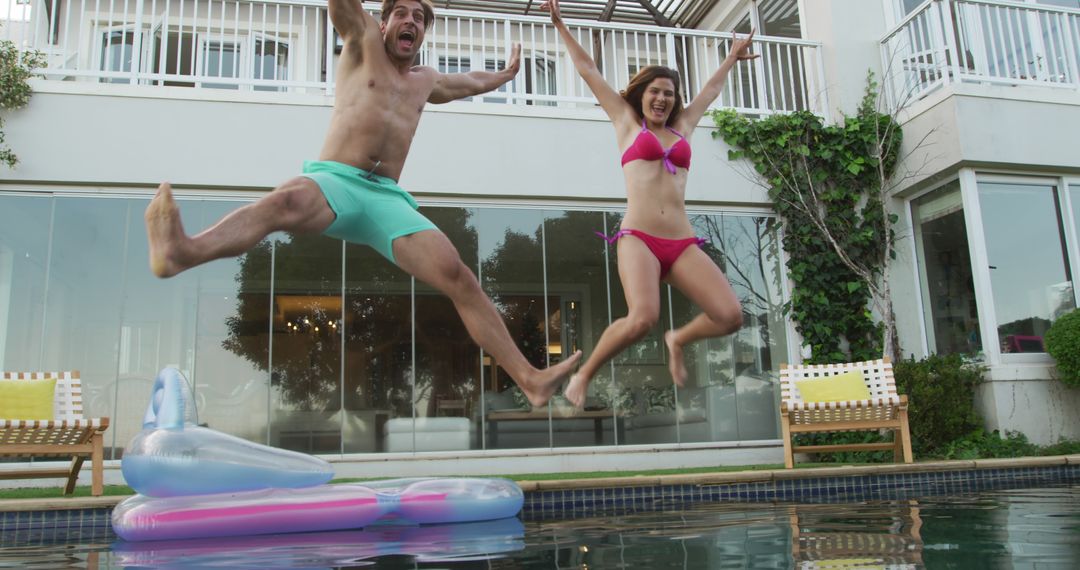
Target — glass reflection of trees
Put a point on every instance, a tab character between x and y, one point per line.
347	341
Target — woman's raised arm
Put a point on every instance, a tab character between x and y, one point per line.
610	100
740	51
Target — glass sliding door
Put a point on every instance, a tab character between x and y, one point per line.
378	326
511	270
309	344
306	344
25	223
88	272
575	262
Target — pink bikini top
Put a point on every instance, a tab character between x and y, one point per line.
650	148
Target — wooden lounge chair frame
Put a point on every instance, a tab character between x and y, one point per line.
67	435
885	410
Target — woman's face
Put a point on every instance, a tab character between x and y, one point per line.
658	100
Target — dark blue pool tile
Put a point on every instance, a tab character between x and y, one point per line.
38	526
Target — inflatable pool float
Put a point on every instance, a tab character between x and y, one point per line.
194	482
172	456
326	507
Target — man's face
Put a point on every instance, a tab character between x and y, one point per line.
403	31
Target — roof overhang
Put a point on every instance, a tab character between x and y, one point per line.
669	13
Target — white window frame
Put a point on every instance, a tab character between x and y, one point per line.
203	41
987	312
919	274
253	39
137	48
988	322
245	65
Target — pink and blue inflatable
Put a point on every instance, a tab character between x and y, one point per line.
194	482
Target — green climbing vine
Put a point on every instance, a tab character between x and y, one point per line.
16	67
826	183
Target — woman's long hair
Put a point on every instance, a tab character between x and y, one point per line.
635	91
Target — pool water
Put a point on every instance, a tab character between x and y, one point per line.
1028	528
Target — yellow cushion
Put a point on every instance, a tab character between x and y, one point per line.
843	386
27	399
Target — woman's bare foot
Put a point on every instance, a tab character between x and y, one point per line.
675	359
164	232
540	388
577	390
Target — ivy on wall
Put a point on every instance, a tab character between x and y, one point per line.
826	184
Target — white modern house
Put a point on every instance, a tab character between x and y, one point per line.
311	344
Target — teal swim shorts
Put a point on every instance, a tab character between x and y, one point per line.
371	210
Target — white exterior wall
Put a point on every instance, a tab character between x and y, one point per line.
1024	399
1014	129
991	128
850	31
462	150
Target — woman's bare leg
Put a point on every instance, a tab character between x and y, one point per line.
695	274
639	272
296	206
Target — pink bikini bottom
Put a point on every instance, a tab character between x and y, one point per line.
665	250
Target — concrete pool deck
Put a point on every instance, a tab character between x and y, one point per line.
651	481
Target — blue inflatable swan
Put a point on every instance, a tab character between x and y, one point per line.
172	456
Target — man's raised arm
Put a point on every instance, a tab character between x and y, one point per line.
349	18
454	86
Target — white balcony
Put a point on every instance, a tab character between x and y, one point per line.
981	42
289	47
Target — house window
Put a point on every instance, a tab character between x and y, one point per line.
540	79
908	6
495	65
255	58
271	61
1062	3
52	15
221	59
779	18
1019	269
117	49
453	64
944	260
1026	251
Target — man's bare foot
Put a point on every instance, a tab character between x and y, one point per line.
675	359
542	387
577	390
164	232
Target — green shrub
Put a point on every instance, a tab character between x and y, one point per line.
16	68
1062	447
941	400
847	437
1063	343
982	445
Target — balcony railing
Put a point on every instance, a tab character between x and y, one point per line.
289	46
980	41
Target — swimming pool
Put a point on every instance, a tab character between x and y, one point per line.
991	528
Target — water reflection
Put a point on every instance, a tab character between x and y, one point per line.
992	529
355	548
829	536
